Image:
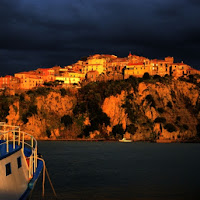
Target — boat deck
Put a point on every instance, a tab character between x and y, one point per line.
13	142
4	153
3	150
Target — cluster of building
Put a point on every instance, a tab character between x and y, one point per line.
97	67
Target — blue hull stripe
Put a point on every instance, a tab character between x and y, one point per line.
32	181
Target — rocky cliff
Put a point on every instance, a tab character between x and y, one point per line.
41	115
142	110
160	110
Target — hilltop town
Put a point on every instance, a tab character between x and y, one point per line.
96	68
106	97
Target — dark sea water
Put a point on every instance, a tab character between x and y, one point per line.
120	171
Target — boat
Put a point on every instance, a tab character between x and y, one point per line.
20	165
125	140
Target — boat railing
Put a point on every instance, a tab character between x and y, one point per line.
12	137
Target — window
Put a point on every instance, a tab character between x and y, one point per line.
19	162
8	169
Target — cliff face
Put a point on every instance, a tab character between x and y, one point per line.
155	105
112	106
50	109
150	111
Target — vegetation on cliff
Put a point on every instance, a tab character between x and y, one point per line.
148	108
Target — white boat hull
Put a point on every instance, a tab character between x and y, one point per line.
20	166
13	185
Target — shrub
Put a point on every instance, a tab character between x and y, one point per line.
129	97
66	120
21	97
24	118
30	92
198	129
129	110
134	82
87	130
185	127
146	76
51	83
80	108
98	118
150	100
173	94
160	120
63	92
117	129
32	109
4	108
161	110
188	103
170	127
131	128
169	104
157	77
48	133
178	118
42	91
192	79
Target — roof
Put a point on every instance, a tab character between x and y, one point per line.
30	72
169	57
140	63
190	69
8	76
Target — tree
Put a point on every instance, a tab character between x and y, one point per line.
117	129
131	129
161	110
66	120
150	100
160	120
63	92
48	133
170	127
146	76
32	109
156	76
198	129
169	104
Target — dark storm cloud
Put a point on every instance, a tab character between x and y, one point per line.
43	33
194	2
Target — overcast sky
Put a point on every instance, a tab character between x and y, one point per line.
43	33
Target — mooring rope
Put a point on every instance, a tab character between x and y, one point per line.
43	179
51	183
